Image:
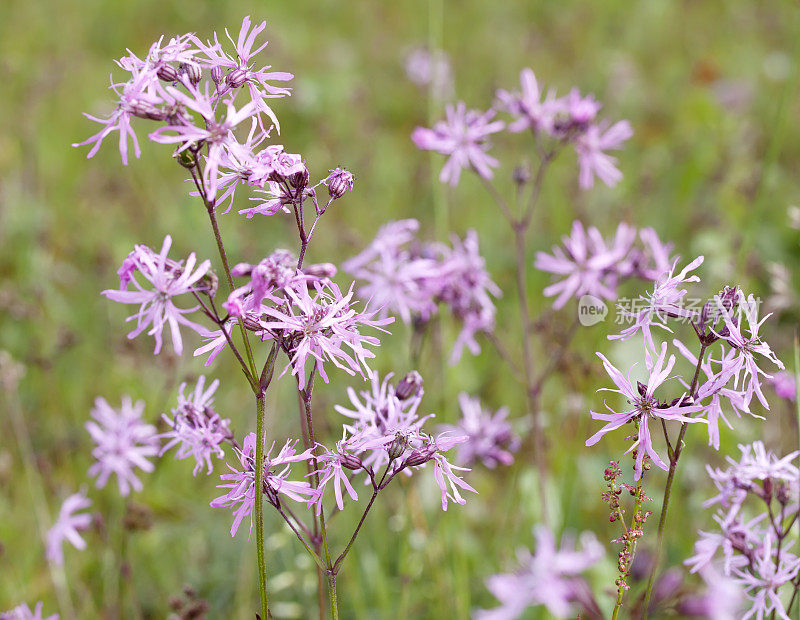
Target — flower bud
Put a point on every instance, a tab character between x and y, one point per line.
186	158
142	109
217	75
167	73
236	78
351	461
299	179
521	175
417	457
320	270
339	182
409	386
398	446
192	72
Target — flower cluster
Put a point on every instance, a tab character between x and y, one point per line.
730	325
491	440
123	443
166	279
242	482
387	432
196	428
464	134
588	264
755	552
410	278
549	577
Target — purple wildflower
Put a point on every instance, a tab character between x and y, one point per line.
195	427
339	182
592	159
463	136
23	612
123	442
785	385
589	264
491	438
67	526
747	347
318	324
168	279
242	493
644	407
549	577
527	107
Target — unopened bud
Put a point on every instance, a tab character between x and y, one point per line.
339	182
167	73
236	78
192	72
299	179
521	175
217	75
186	158
409	386
320	270
351	461
142	109
398	446
418	457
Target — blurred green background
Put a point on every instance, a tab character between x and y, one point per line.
711	91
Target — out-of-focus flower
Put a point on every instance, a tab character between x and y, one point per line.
463	137
23	612
68	525
195	427
241	482
644	407
430	68
168	280
592	158
722	599
527	107
549	577
491	439
785	385
588	264
123	443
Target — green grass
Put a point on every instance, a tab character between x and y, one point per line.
716	179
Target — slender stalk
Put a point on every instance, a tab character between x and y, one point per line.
259	507
673	465
332	602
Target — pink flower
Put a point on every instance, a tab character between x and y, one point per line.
463	136
785	385
549	577
123	442
747	347
592	159
589	265
168	279
67	526
195	427
528	108
241	482
333	468
319	324
23	612
644	407
491	438
666	301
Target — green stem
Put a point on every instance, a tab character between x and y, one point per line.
673	465
332	595
259	507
